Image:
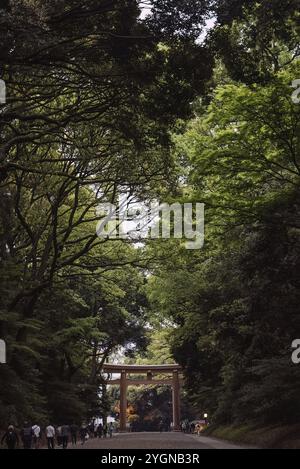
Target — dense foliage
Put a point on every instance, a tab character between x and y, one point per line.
236	303
92	93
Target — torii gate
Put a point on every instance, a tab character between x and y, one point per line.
150	371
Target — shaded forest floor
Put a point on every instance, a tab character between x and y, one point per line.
284	436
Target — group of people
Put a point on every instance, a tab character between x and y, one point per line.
103	430
194	428
61	436
29	435
187	427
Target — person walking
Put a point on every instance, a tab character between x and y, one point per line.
27	435
91	428
65	432
10	437
110	429
50	434
83	434
36	436
161	426
73	431
100	430
58	435
105	430
198	429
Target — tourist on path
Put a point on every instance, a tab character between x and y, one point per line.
83	434
11	438
65	432
198	429
74	430
91	428
36	436
110	430
50	434
58	435
100	430
27	435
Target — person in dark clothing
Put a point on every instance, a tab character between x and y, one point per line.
83	433
73	431
105	431
100	430
58	435
11	438
110	430
91	428
65	431
27	435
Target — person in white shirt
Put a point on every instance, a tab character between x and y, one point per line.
50	434
36	436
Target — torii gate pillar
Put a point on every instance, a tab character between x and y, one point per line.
176	402
123	402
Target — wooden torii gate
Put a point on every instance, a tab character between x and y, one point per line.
150	371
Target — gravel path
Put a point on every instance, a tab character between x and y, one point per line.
156	441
